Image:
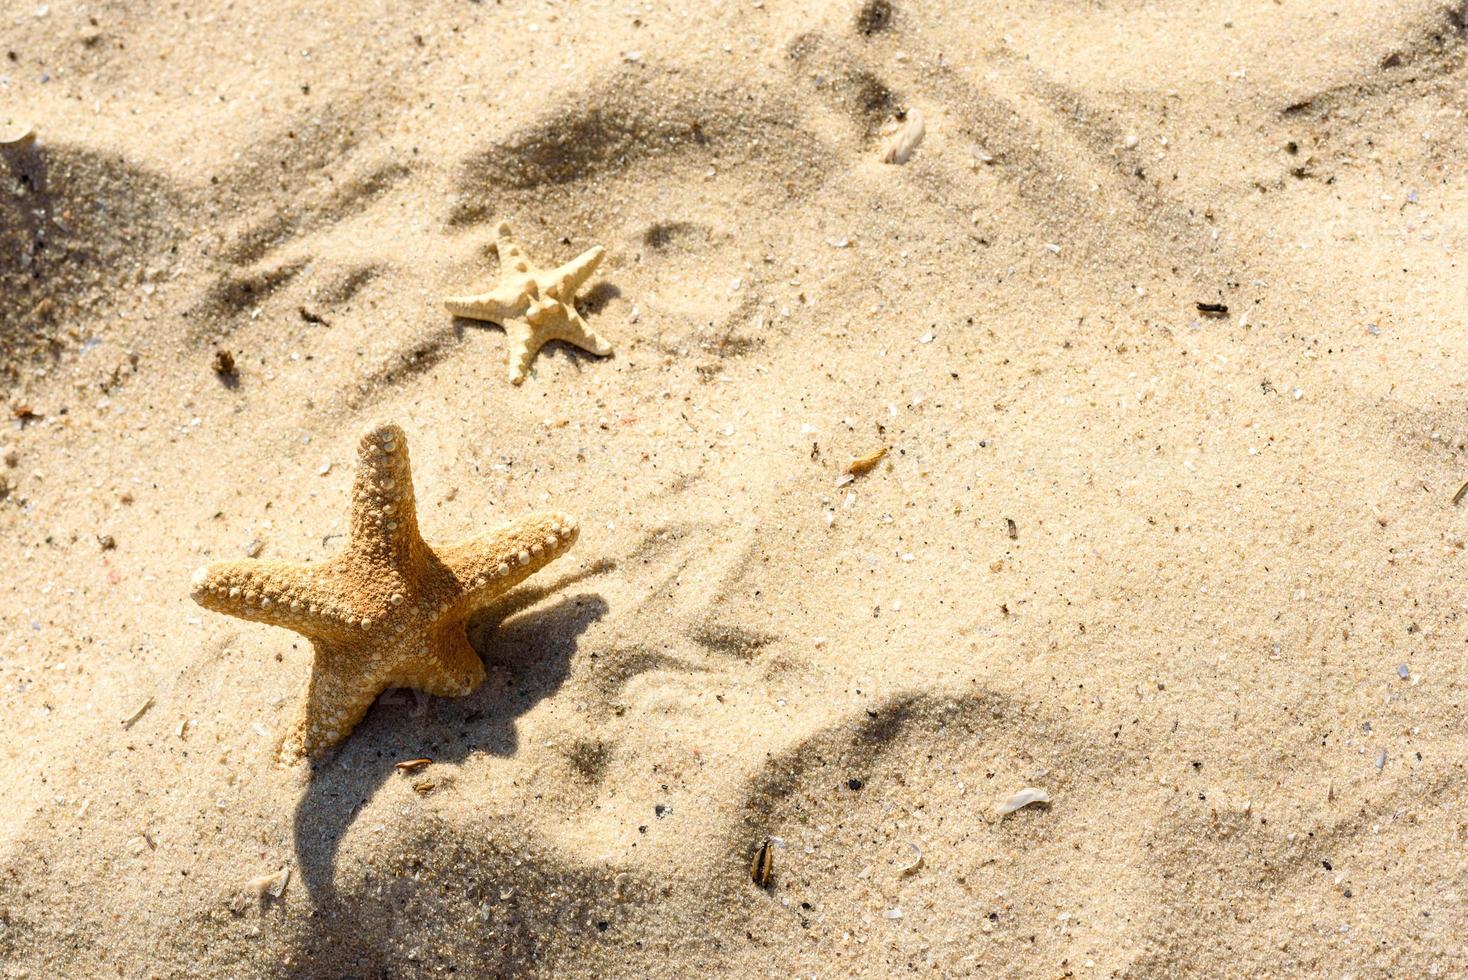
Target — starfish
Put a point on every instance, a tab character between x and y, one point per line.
389	611
534	305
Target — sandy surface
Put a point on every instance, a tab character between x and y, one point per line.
1226	632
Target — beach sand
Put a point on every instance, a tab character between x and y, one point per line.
1199	577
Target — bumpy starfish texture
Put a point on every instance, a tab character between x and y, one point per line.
390	610
534	305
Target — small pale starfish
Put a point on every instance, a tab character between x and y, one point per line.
534	305
389	611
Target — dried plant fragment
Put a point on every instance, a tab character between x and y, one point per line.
865	464
762	868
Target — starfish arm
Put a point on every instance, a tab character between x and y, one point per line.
338	694
451	669
563	281
384	514
579	332
491	564
512	256
276	592
565	324
496	306
521	344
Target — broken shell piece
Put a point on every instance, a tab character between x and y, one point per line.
915	863
899	146
272	885
17	136
1026	796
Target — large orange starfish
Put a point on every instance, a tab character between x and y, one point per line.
390	610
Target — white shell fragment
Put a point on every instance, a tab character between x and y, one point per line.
915	863
1022	799
272	885
900	145
17	136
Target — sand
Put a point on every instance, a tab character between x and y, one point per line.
1199	577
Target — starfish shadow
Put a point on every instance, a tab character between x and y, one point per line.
597	297
527	658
